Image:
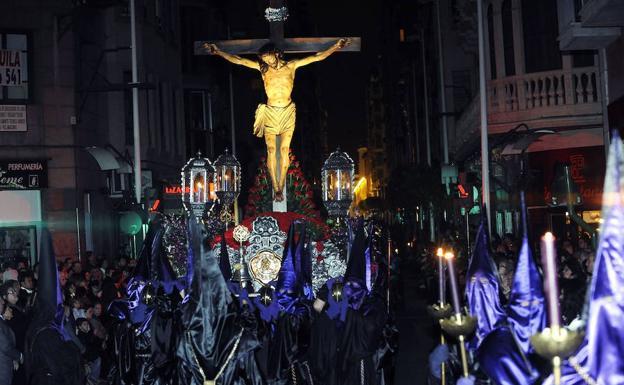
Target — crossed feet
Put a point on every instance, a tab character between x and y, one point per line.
278	196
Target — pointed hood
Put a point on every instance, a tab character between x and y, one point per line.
49	306
358	263
526	311
224	260
605	330
287	281
303	264
287	277
205	313
482	286
600	354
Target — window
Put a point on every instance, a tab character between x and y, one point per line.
14	85
508	41
541	29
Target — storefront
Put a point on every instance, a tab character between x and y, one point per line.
587	165
20	207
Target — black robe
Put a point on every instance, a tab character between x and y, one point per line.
216	338
50	360
288	347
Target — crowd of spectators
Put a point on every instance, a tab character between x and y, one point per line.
88	287
576	262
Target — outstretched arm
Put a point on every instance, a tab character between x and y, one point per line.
214	50
322	55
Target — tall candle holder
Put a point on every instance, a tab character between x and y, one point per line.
241	275
555	342
441	309
458	325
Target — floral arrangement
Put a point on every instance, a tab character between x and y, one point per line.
298	192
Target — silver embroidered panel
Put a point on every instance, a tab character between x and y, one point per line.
266	247
331	265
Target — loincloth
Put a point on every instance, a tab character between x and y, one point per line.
274	120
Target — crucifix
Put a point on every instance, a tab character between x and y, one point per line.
275	120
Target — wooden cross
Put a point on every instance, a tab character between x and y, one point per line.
290	45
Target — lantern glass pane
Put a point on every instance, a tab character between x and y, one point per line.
345	184
332	185
199	188
229	180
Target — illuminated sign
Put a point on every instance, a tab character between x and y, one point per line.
23	174
175	191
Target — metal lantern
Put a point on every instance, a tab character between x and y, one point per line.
197	184
337	177
227	181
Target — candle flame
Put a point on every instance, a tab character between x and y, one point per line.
449	255
440	252
549	237
199	185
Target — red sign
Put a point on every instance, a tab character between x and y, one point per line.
175	190
587	166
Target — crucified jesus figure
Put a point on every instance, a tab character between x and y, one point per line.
276	119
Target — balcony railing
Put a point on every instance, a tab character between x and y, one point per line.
544	89
554	99
543	95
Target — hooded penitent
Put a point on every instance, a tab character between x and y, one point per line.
216	340
600	356
482	287
288	282
505	353
358	273
224	260
361	346
526	312
50	356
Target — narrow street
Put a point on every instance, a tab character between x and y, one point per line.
415	328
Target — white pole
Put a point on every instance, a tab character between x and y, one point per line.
426	96
135	106
485	156
442	87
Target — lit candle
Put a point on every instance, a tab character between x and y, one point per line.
551	286
453	278
199	192
338	187
441	280
226	183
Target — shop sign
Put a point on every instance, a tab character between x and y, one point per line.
23	174
12	68
13	118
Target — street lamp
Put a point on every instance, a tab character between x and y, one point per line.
337	179
198	177
228	182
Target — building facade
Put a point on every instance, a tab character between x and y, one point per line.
79	122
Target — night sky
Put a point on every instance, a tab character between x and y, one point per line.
342	79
